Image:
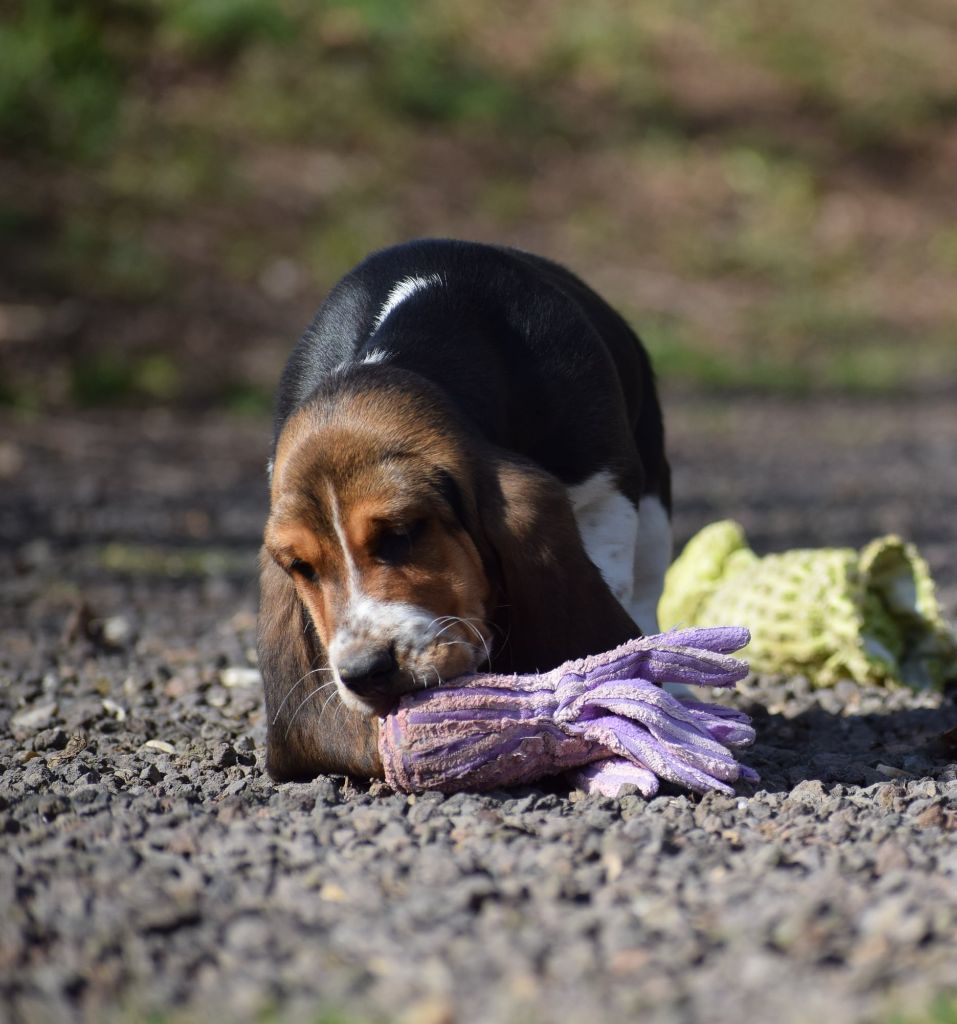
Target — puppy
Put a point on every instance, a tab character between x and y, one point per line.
468	473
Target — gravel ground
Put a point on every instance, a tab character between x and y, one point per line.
149	865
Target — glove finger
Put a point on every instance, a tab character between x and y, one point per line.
710	646
710	758
719	639
663	725
678	719
663	714
634	743
606	777
665	665
693	667
728	726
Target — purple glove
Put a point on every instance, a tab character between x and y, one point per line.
607	711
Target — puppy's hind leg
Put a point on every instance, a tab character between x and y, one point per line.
653	546
652	558
609	528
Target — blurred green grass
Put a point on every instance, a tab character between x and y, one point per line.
942	1010
766	192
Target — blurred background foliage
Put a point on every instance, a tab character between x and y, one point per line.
766	190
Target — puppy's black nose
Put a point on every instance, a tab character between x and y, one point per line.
368	671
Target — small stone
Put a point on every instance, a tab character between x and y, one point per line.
613	864
931	817
626	961
898	918
333	893
392	838
51	807
224	756
161	745
75	769
182	843
217	697
887	796
83	713
366	822
238	676
891	857
151	774
37	776
810	791
33	719
116	631
327	792
50	739
114	709
247	934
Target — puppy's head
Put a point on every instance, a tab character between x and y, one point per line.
369	502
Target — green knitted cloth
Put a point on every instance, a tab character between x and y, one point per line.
827	613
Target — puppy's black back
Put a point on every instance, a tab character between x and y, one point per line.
538	362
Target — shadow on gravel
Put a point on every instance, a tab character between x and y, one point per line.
832	746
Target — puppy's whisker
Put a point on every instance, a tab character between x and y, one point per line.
335	716
328	699
481	636
293	687
440	618
455	620
469	624
508	636
300	707
445	629
493	626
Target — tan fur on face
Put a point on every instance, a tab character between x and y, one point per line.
502	546
342	479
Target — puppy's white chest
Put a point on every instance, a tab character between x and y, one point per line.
630	547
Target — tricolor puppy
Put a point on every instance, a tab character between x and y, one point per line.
468	474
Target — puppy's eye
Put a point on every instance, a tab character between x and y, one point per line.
394	544
300	568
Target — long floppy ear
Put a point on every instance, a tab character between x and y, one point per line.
553	600
309	729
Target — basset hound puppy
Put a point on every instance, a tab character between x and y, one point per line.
468	474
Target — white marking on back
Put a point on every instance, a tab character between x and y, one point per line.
405	288
376	355
608	524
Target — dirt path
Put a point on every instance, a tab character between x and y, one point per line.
148	864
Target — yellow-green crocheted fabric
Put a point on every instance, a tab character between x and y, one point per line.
827	613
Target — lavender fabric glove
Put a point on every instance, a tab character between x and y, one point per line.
607	712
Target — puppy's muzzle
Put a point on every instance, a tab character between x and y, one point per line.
370	672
